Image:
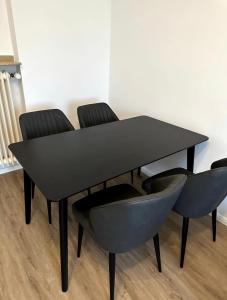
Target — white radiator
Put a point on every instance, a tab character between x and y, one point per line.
9	132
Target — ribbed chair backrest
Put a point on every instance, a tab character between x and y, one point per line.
202	193
95	114
42	123
124	225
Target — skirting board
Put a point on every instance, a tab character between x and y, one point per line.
10	169
222	219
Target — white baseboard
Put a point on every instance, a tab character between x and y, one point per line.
10	169
147	171
222	219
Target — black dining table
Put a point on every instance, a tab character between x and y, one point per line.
65	164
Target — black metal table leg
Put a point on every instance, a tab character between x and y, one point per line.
190	158
214	223
27	197
49	211
139	171
63	225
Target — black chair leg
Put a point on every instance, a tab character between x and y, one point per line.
80	238
139	171
184	240
214	223
104	185
49	211
89	192
157	251
132	178
33	190
112	262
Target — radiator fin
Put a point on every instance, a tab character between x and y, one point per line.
9	132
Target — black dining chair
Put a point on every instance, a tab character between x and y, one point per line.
96	114
42	123
219	163
201	195
119	218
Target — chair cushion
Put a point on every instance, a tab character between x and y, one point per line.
82	207
147	184
219	163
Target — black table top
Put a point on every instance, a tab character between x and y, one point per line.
64	164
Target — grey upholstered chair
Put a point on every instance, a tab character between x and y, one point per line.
42	123
96	114
120	219
219	163
201	195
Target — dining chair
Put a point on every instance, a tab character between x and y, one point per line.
119	218
219	163
96	114
201	195
42	123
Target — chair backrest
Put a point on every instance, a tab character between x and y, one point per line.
202	193
125	224
219	163
95	114
45	122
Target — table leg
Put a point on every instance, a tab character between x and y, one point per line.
139	171
63	225
27	197
190	158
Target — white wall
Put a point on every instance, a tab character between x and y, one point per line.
5	39
169	61
64	47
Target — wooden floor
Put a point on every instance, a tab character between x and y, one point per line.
29	257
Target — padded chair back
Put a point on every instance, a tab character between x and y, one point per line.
123	225
42	123
95	114
202	193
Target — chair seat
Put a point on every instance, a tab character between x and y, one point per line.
147	184
115	193
219	163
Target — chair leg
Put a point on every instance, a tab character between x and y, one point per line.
49	211
139	171
184	240
157	251
80	238
33	190
89	191
214	223
132	178
112	262
104	185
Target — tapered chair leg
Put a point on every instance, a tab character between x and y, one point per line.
104	185
214	223
132	178
80	238
157	251
33	190
49	211
112	262
184	240
89	191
